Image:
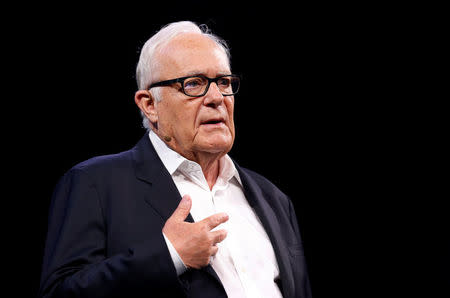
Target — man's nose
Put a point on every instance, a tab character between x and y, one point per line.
214	96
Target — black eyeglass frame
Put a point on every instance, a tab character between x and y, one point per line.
182	79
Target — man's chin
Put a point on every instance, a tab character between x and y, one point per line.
216	143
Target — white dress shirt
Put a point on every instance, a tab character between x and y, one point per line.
245	262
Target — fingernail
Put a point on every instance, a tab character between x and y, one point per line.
185	200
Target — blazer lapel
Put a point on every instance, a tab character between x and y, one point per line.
163	195
269	220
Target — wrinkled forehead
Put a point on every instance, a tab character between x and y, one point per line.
190	53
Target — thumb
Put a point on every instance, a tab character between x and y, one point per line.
183	209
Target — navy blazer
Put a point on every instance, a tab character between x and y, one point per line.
105	232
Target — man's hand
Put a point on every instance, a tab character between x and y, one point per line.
195	243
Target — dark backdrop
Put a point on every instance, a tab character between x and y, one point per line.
320	113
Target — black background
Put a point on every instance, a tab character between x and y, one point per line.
327	111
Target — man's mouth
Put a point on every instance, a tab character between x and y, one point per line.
213	122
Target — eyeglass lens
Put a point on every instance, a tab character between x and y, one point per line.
227	85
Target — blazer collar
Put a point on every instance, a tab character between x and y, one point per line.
150	169
146	161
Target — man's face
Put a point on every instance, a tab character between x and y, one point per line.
195	124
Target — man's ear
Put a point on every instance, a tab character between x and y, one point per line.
147	104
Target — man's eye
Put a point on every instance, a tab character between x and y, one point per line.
225	82
193	83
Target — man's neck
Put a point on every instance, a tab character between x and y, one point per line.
208	161
210	164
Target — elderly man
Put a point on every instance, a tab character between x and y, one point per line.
175	216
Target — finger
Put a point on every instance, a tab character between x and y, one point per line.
218	236
213	250
215	220
183	209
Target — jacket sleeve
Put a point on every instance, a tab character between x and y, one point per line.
76	262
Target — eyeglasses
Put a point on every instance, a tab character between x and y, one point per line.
196	86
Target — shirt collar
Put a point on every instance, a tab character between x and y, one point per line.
172	160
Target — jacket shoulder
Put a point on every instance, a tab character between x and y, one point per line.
104	164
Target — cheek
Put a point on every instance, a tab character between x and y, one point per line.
181	119
230	110
168	116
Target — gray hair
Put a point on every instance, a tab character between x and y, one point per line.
146	64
